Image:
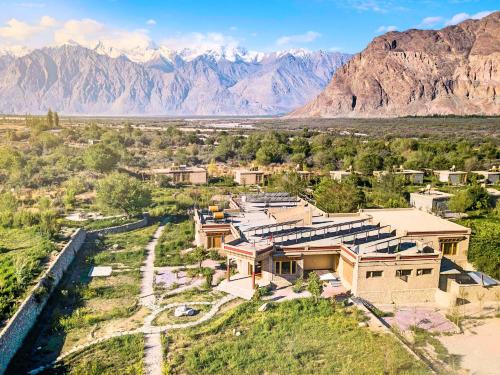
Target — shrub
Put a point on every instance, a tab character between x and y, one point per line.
298	286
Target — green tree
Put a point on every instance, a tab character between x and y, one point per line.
50	118
121	192
474	197
8	207
290	182
389	191
334	196
199	254
314	285
484	249
367	161
56	120
100	158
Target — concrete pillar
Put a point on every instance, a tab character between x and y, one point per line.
253	276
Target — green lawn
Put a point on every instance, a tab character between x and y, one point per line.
99	224
122	355
293	337
178	235
22	255
82	307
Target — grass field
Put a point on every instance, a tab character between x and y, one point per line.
122	355
167	316
293	337
178	235
84	308
22	256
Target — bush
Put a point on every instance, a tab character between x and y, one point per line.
298	286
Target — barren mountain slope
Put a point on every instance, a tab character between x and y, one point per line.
454	70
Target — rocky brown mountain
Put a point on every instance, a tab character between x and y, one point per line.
454	70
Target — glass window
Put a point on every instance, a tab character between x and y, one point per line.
424	271
400	273
288	267
285	268
370	274
449	248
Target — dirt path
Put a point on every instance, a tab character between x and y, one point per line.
147	297
153	355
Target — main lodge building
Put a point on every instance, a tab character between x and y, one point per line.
384	255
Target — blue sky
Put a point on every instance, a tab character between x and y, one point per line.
344	25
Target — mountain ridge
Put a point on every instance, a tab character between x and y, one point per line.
73	79
452	71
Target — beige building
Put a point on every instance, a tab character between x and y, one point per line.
409	175
183	174
383	255
490	177
430	200
452	177
339	175
248	177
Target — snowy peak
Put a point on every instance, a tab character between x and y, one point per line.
155	80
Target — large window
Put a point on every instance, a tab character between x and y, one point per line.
449	248
400	273
424	271
371	274
285	267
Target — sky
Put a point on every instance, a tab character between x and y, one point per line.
267	25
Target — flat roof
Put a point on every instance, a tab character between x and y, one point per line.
413	220
450	172
177	169
433	194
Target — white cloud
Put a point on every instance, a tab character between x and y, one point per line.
89	32
430	21
47	21
200	41
307	37
460	17
151	22
18	30
385	29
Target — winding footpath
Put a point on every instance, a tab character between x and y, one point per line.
153	355
153	351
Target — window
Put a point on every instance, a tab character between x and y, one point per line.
287	267
448	248
370	274
400	273
424	271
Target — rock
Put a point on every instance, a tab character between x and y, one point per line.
264	307
116	246
362	324
238	333
184	311
454	70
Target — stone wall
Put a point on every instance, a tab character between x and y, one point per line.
13	334
120	228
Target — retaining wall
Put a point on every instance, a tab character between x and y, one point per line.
18	327
120	228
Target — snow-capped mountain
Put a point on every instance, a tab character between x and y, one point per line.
156	80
